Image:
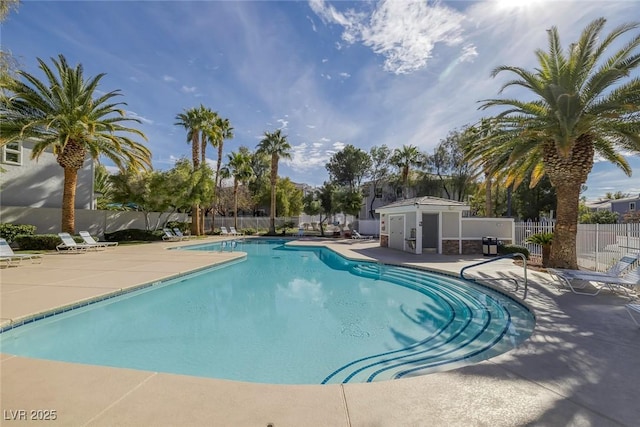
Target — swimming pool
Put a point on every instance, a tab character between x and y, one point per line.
286	315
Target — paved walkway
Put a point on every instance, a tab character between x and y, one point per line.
581	366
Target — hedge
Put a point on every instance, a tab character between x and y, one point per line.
10	231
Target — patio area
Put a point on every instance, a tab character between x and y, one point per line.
581	367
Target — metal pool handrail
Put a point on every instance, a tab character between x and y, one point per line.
517	254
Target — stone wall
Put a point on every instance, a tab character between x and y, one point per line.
469	247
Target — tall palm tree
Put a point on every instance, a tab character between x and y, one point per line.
584	104
194	120
274	144
63	114
405	158
222	131
208	128
238	167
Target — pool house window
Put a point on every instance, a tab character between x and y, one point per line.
632	206
12	153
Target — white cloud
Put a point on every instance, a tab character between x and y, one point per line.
283	123
135	115
189	89
168	78
404	32
344	75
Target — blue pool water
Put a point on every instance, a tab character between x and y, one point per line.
289	316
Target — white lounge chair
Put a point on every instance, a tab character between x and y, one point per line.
625	283
357	236
169	236
616	270
567	277
70	246
234	232
224	231
7	255
183	236
89	240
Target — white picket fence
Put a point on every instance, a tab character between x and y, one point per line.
598	246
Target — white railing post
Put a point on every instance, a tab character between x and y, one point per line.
597	247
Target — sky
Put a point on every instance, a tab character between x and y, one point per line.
328	73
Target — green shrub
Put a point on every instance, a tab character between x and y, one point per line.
133	234
10	231
38	242
512	249
248	231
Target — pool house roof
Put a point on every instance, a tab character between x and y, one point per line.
425	204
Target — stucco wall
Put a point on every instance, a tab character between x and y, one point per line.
450	224
40	183
502	228
48	220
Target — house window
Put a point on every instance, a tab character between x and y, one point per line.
632	206
12	153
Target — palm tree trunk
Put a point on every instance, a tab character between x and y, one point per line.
195	220
218	165
274	179
272	213
563	250
488	201
69	200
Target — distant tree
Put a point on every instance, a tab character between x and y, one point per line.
529	202
349	166
164	192
275	145
598	217
378	172
239	167
321	202
195	122
405	159
450	166
348	201
616	196
102	186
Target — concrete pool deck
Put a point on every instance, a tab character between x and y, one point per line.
581	366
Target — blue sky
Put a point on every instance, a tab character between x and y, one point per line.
328	73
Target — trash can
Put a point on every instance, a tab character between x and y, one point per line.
489	246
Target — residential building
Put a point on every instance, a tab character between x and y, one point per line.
26	182
626	205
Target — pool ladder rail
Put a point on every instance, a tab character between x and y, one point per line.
230	243
510	279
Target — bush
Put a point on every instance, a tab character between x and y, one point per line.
248	231
512	249
10	231
38	242
133	234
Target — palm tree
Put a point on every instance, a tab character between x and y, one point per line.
62	115
275	145
583	106
238	167
208	119
223	130
194	120
405	158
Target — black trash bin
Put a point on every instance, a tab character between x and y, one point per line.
489	246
